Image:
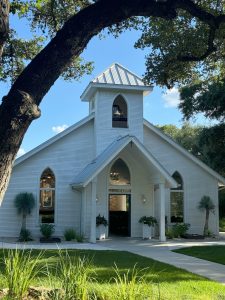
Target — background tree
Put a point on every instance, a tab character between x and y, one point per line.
24	203
185	38
208	206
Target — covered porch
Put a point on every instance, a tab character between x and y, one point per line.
126	170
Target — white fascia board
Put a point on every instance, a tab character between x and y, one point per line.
93	86
53	140
126	142
172	182
169	140
149	156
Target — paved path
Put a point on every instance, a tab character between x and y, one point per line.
148	248
162	252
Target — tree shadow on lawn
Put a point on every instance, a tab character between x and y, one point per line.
103	265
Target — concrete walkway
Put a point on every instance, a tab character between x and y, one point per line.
162	252
154	249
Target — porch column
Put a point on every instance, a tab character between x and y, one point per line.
93	211
162	195
83	212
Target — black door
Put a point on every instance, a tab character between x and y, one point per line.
119	215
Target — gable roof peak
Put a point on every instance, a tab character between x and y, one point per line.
118	74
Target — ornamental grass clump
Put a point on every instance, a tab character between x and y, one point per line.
130	285
75	279
20	269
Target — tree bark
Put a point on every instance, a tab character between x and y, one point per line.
4	23
20	107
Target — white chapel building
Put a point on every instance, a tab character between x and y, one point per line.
113	163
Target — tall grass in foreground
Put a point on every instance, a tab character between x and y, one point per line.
75	279
19	271
130	285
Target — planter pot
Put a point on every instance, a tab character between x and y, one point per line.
100	232
146	232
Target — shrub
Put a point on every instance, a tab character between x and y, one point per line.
47	230
80	238
70	234
222	224
25	235
177	230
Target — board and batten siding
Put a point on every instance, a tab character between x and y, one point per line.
66	157
197	182
104	133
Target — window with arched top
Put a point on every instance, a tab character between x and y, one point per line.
177	200
47	197
119	113
119	173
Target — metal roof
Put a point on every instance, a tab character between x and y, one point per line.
97	165
116	76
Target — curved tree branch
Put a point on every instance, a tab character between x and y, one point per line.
20	106
210	49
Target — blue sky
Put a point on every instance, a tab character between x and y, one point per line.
62	107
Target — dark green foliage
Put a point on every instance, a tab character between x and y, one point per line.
25	235
101	220
69	234
47	230
177	230
206	204
150	221
204	97
24	203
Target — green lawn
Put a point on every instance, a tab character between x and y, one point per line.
211	253
161	281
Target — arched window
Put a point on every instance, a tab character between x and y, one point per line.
119	113
177	200
47	197
119	173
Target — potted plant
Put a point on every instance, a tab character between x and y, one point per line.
101	224
147	224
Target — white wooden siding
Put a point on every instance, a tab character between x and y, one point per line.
66	158
197	182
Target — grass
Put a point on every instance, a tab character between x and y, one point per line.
211	253
119	275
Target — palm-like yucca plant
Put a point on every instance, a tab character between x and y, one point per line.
206	204
24	202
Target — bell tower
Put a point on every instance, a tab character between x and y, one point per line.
116	99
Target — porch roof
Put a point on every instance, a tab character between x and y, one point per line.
83	178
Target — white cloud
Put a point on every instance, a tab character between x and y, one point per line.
171	98
59	128
20	152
